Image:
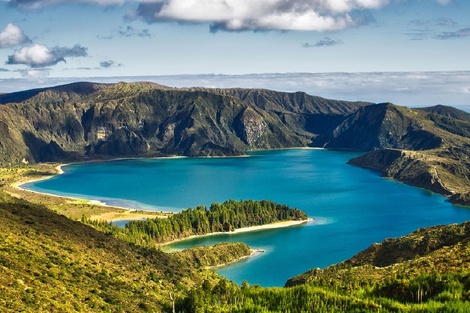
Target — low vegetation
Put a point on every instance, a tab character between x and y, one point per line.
214	256
51	262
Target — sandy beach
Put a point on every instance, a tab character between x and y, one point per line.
275	225
18	184
254	252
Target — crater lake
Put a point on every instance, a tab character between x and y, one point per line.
352	207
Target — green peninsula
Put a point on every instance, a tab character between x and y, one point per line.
219	217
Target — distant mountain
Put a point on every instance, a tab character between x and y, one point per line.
78	89
94	121
447	111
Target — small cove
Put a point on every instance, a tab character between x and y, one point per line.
352	207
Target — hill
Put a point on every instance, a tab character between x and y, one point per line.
51	263
428	150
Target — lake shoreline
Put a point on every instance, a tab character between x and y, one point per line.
118	213
114	214
254	252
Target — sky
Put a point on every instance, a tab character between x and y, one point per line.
411	52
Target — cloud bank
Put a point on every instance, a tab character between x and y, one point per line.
410	89
241	15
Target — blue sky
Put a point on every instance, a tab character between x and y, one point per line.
50	41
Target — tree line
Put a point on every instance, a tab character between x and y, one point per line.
219	217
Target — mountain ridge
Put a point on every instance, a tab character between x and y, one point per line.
83	121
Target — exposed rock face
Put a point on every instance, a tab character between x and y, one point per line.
252	127
404	167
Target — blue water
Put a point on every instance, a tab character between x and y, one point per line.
352	207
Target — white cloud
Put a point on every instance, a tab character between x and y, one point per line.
12	36
235	15
34	55
38	55
241	15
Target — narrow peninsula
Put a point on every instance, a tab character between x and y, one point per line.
226	217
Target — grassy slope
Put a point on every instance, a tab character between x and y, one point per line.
51	263
439	249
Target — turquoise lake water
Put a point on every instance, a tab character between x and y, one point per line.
352	207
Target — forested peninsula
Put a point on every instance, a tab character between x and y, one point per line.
219	217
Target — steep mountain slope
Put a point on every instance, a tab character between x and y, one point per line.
146	119
450	119
380	126
428	150
447	111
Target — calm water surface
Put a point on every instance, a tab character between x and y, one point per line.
352	207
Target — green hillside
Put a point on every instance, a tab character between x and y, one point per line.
50	263
426	271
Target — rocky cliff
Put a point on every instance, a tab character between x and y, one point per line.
378	127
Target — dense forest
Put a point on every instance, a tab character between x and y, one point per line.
219	217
